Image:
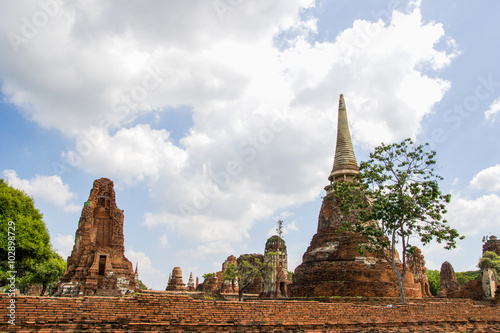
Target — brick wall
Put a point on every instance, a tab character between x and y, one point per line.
172	312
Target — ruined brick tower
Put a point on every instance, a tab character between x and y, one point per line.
332	265
97	265
276	285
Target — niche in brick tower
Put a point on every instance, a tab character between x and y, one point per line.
97	265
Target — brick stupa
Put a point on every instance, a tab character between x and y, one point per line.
97	265
332	265
175	282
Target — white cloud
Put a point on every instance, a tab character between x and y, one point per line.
148	274
493	110
287	227
264	118
64	245
138	257
131	154
487	179
473	216
164	240
49	189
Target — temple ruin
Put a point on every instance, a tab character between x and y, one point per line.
175	282
416	265
275	286
97	265
332	264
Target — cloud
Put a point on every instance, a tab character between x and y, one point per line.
473	216
487	179
140	257
64	245
131	154
264	117
287	226
379	69
49	189
164	240
492	111
149	275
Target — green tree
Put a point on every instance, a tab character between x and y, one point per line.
434	281
23	236
142	286
490	260
464	277
48	272
248	269
396	196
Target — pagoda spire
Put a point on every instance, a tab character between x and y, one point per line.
344	165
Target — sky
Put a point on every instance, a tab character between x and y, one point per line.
217	118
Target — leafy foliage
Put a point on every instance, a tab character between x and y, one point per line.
275	239
48	272
434	281
290	276
207	275
35	260
142	286
490	260
247	270
396	196
464	277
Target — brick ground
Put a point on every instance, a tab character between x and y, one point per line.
181	313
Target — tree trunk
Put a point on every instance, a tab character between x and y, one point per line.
44	287
401	289
241	290
400	282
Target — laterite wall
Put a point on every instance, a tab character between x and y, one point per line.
171	312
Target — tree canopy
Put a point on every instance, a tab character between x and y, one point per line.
248	269
395	197
24	237
490	260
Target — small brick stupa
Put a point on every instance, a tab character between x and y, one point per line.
332	265
97	265
175	282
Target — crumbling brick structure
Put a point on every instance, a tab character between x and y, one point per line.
97	265
332	264
175	282
276	285
416	265
492	245
216	283
449	283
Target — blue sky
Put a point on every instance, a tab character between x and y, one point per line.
216	118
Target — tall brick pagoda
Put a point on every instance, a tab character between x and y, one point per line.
332	265
276	284
97	265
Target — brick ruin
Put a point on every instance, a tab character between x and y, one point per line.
416	265
483	288
160	311
449	283
97	265
190	285
332	264
276	286
492	244
215	282
175	282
